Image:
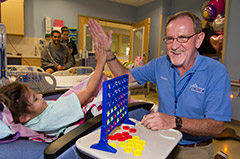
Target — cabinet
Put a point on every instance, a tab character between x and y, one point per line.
18	60
12	15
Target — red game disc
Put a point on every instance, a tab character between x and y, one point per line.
122	138
113	137
118	135
126	127
128	137
125	133
132	130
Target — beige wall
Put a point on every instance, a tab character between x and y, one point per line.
28	46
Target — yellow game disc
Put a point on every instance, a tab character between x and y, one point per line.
122	144
129	140
139	147
137	152
128	149
143	142
136	138
131	144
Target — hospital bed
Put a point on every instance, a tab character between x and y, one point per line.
74	71
64	147
65	79
72	76
40	81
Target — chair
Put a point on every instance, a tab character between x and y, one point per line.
228	133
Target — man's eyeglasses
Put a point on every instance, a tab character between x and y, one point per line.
180	39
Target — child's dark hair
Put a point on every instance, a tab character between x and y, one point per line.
15	96
64	28
4	100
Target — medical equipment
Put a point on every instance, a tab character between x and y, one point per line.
34	77
40	81
20	68
3	58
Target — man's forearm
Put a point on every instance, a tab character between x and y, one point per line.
202	127
116	67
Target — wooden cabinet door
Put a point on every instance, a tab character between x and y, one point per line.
12	16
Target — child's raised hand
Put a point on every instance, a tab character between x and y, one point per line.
100	53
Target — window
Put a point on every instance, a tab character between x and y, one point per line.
125	45
115	43
120	39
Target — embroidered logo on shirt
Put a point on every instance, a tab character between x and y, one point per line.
197	89
164	78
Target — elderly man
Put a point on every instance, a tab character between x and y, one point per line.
193	90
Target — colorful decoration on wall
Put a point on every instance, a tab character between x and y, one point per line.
210	9
218	24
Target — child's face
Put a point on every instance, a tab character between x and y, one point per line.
37	104
65	35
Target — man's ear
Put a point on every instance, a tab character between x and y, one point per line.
24	118
200	39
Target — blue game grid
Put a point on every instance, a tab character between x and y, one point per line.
115	110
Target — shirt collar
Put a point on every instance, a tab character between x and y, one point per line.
197	65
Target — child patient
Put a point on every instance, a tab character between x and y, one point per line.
51	117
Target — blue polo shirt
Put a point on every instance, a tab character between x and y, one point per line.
207	95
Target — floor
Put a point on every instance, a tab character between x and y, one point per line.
230	147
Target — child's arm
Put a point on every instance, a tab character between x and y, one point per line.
86	93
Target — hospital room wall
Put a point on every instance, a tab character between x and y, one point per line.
232	60
67	10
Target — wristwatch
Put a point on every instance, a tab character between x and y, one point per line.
178	123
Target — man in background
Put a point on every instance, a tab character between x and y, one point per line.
69	42
56	56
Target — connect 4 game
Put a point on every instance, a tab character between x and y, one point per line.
115	109
121	137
